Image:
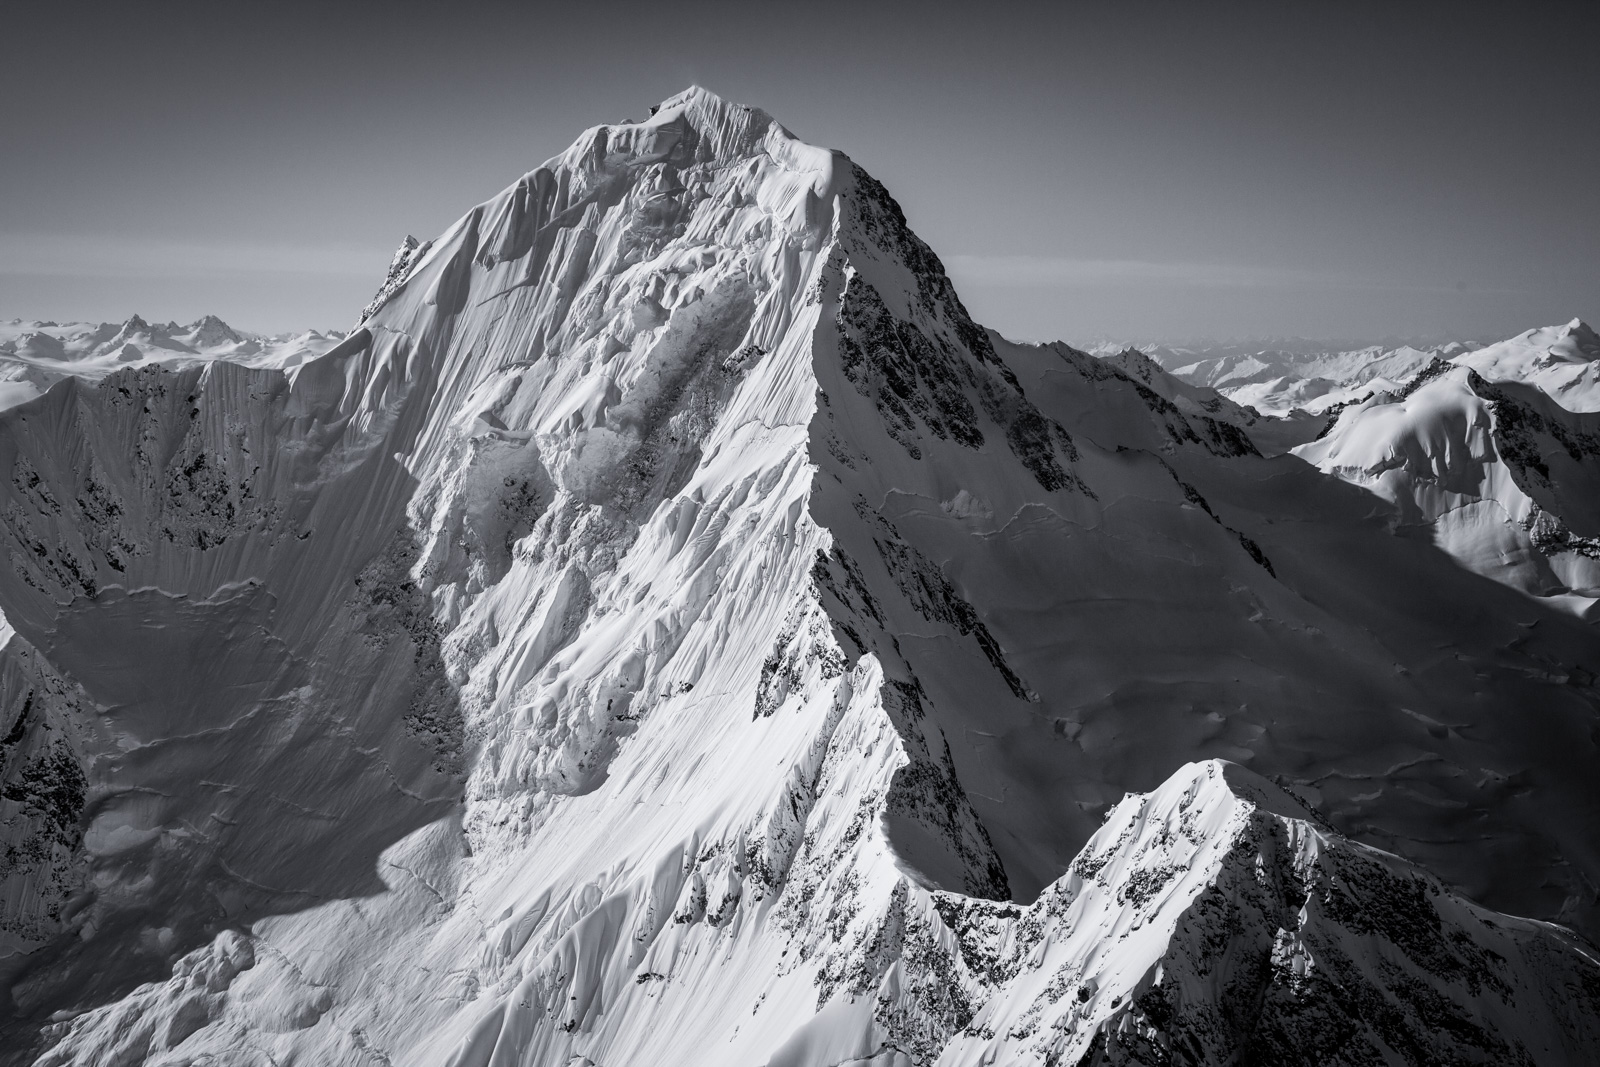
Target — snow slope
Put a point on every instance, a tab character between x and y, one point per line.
1190	413
1502	476
1219	920
669	630
1563	362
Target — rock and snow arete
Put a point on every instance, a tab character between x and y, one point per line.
667	630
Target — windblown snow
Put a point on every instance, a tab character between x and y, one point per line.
667	630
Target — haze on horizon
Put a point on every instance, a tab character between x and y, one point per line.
1143	171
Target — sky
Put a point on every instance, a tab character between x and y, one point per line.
1138	171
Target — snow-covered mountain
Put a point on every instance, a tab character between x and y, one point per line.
669	630
1288	378
36	355
1280	377
1233	428
1561	361
1503	477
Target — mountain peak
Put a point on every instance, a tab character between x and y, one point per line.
707	102
1262	915
209	331
676	623
1265	794
1584	336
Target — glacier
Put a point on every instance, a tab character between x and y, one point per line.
667	629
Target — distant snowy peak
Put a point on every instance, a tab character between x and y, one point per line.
1504	475
1562	361
211	332
1301	376
1572	342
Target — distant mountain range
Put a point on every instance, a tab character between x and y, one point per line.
1278	378
34	354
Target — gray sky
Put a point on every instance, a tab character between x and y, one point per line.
1132	170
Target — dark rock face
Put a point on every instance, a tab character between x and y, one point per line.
43	794
930	364
911	379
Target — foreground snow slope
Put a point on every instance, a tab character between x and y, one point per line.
668	630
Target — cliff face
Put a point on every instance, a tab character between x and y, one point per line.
667	629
